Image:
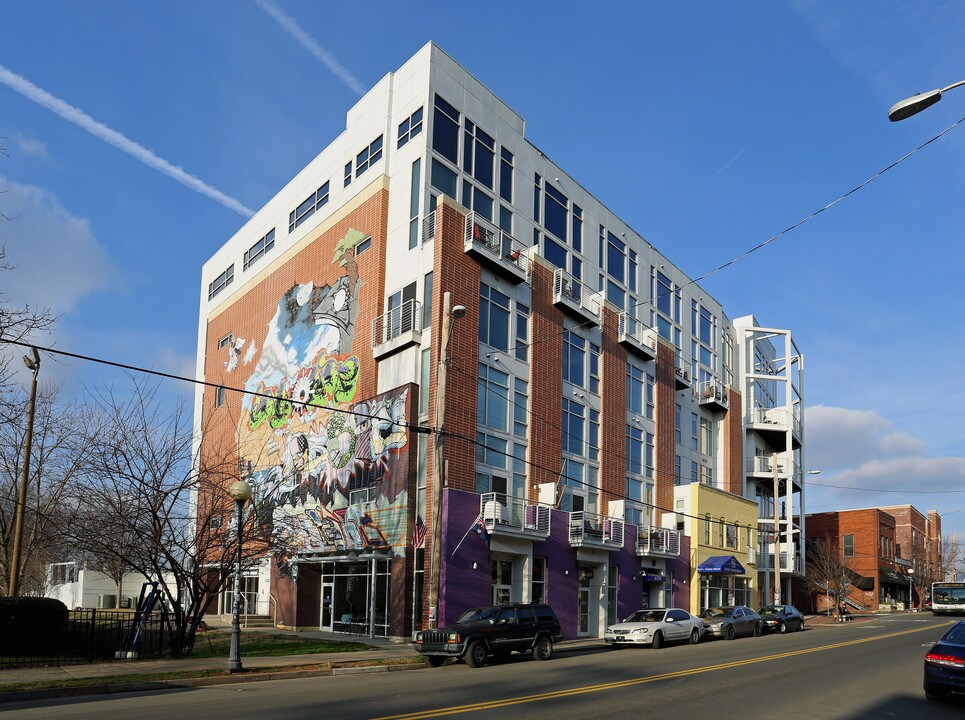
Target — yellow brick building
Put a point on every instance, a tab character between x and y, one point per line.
723	545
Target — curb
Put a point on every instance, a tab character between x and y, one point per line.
187	683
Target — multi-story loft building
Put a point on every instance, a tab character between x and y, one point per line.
454	377
918	540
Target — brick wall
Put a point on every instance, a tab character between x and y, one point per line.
665	441
613	418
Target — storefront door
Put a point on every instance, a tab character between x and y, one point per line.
328	591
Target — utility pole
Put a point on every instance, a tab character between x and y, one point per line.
14	586
449	314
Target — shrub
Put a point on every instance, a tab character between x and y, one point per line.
31	625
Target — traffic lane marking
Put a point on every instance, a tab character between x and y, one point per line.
617	685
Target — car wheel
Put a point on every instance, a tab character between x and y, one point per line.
782	628
434	661
476	654
757	629
657	640
801	626
731	633
543	650
694	636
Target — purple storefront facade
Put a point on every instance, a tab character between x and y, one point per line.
587	585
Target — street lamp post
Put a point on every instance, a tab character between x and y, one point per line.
915	104
911	571
33	364
240	493
449	313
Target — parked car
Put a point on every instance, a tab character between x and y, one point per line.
655	627
731	621
782	618
492	631
945	664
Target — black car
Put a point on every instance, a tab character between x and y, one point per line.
782	618
945	664
492	631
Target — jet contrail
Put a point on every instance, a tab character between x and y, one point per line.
308	42
99	130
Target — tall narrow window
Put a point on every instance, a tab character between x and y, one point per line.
506	175
415	194
445	130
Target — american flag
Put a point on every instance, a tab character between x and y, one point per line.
419	533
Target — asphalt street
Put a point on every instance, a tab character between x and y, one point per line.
855	671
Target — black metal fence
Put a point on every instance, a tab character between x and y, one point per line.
85	636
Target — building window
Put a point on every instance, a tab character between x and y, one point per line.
706	529
574	427
706	436
316	201
522	332
415	195
410	127
848	545
494	317
368	156
348	173
491	450
616	258
221	282
555	208
363	246
574	358
225	341
706	475
219	396
255	252
521	392
677	478
576	236
492	408
732	536
538	582
720	533
478	155
427	300
506	175
443	178
445	130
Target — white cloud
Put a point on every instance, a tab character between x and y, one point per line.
30	146
85	122
56	257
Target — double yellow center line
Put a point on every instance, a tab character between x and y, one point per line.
523	699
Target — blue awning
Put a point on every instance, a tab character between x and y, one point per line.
721	565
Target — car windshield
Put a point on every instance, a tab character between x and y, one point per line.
477	615
717	612
771	610
647	616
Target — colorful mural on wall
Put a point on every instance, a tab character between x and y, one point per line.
321	463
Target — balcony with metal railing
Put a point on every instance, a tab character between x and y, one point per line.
591	530
760	467
773	424
397	329
429	226
711	394
497	249
658	542
516	517
572	295
637	337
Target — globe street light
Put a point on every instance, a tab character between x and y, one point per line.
915	104
241	493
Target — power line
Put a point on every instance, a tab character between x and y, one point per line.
886	491
651	302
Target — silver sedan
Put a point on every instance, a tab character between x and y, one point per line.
655	628
731	621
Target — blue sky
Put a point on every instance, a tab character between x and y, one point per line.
137	134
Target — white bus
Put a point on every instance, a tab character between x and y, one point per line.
948	598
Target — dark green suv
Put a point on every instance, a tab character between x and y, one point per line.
493	631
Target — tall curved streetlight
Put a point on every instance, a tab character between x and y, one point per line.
241	493
915	104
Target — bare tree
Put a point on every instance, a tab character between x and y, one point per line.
55	462
149	501
827	572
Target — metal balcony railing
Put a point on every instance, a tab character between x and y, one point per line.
429	226
661	542
711	392
397	321
570	291
635	333
591	529
503	513
500	245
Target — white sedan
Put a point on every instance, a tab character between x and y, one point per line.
655	627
